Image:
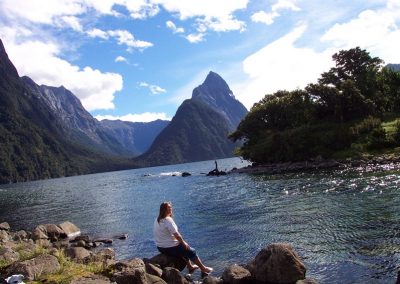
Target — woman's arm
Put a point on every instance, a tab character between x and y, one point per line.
180	239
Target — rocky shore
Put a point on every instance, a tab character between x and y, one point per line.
60	254
367	163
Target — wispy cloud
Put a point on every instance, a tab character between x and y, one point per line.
123	37
269	18
120	59
174	28
195	38
154	89
136	117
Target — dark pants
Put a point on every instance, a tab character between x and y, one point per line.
179	251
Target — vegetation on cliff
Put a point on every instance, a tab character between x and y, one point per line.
354	108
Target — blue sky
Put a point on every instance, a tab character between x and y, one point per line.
137	60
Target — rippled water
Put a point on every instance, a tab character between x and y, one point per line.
344	224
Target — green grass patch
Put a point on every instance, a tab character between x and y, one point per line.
71	270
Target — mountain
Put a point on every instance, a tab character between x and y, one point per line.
199	130
216	93
135	136
394	67
77	123
34	142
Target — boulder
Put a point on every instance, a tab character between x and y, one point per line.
62	244
153	269
8	255
132	271
78	254
123	236
168	261
236	274
186	174
104	255
4	226
212	280
54	232
153	279
20	235
4	236
93	279
173	276
277	263
43	264
39	233
70	229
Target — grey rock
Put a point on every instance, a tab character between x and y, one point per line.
4	226
236	274
277	263
132	271
104	254
39	233
43	264
8	255
70	229
94	279
4	236
153	279
173	276
153	269
212	280
78	254
20	235
168	261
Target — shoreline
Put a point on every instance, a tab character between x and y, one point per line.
59	254
373	163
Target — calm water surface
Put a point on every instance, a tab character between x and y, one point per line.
345	225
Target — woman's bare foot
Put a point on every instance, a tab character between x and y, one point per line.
192	268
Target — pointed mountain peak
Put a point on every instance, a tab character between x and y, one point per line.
213	77
213	86
6	67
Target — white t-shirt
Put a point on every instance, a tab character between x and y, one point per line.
163	233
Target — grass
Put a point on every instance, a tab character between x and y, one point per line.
71	270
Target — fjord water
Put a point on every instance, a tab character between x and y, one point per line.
344	224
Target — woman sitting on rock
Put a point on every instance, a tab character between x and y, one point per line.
170	242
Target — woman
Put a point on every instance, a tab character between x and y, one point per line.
169	241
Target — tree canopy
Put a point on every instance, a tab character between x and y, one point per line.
341	112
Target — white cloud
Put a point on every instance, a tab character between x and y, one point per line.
195	38
120	59
280	66
138	117
73	23
174	28
269	18
210	8
144	11
41	11
154	89
94	88
209	14
221	24
97	33
377	31
123	37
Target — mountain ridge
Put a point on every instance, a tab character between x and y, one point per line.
199	130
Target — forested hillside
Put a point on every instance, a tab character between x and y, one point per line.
353	109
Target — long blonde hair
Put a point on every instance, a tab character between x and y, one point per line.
163	210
